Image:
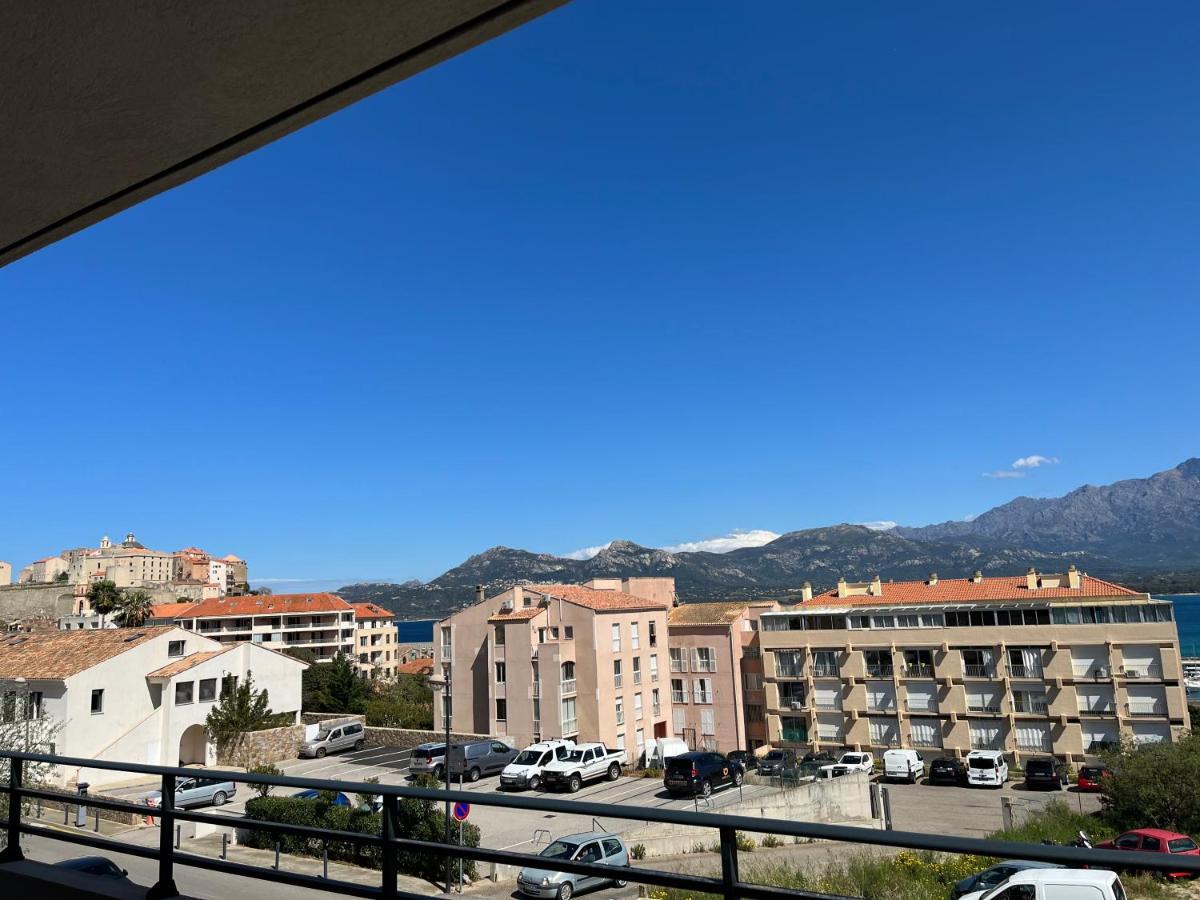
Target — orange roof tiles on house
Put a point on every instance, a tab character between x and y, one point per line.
964	590
179	666
593	599
172	611
516	615
415	667
371	611
269	604
55	655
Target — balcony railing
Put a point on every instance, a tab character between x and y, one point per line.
918	670
983	671
825	670
679	696
537	689
1042	746
568	686
705	665
880	670
1142	672
657	710
926	743
653	675
637	677
1036	706
1146	709
1020	670
620	717
446	651
678	665
570	726
1106	708
921	705
704	696
789	671
796	735
618	681
987	708
791	702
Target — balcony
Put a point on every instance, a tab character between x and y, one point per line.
918	670
789	671
880	670
921	706
637	677
1142	672
679	697
990	709
926	743
620	717
825	670
704	696
1039	706
795	735
980	671
1034	746
1097	709
570	726
791	702
1146	709
567	687
618	681
1019	670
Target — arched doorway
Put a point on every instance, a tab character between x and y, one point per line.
193	746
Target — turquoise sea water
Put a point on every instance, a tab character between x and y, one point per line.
1187	620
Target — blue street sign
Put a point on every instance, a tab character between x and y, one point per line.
461	810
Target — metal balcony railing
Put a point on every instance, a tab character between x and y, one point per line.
921	706
1020	670
825	670
620	717
569	727
618	681
568	686
537	689
918	670
984	671
705	665
637	677
679	696
880	671
1106	708
1037	706
704	696
989	708
788	671
1146	709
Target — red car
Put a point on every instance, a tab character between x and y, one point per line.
1090	778
1155	840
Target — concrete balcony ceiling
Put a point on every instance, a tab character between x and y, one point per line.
107	104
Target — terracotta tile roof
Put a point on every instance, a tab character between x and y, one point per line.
415	667
371	611
171	611
706	613
55	655
592	599
179	666
270	604
517	615
964	590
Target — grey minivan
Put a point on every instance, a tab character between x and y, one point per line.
477	758
332	738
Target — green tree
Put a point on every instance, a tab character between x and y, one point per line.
405	703
240	710
104	598
134	609
61	578
263	790
1154	786
335	687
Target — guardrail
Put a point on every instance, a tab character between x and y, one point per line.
728	885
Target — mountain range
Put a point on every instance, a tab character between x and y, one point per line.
1142	532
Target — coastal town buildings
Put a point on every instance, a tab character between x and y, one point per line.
322	624
715	674
6	571
375	641
1035	664
542	661
132	694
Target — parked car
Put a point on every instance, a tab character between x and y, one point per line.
947	770
659	750
587	762
333	739
428	759
95	866
993	875
478	758
822	757
701	771
744	758
339	799
1154	840
594	847
986	768
525	771
197	792
1092	777
779	762
1055	884
1046	772
848	763
903	765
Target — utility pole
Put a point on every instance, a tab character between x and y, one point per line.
444	683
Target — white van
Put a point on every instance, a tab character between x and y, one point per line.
986	768
903	765
659	750
1055	884
526	770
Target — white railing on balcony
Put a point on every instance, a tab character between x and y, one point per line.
705	665
679	696
637	677
568	687
678	665
825	670
1035	705
1020	670
789	670
570	726
704	696
1147	708
618	681
620	717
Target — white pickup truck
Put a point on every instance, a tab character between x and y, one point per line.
849	762
587	762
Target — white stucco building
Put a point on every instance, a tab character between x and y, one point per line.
323	624
136	694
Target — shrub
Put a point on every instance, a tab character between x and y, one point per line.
651	772
1154	786
745	843
262	790
638	851
770	840
699	847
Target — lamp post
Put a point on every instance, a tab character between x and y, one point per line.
444	683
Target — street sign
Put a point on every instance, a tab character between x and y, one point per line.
461	810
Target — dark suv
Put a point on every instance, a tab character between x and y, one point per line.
779	762
1046	772
947	770
699	772
744	758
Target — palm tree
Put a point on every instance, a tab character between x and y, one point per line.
134	609
104	598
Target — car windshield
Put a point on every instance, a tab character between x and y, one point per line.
1039	766
1181	845
852	759
1090	772
774	756
576	756
322	735
984	762
528	757
559	850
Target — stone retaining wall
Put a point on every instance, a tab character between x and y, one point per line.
258	748
394	737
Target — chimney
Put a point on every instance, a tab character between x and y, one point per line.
1031	579
806	592
479	593
843	591
976	576
876	586
1073	578
932	578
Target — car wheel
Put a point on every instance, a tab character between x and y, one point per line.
320	753
614	772
706	788
574	783
359	744
737	779
219	798
534	783
474	774
565	890
620	883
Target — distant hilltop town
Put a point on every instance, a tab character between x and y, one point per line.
189	573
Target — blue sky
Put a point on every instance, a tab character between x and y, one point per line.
656	271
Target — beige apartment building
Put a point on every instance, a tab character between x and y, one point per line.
375	641
715	672
42	571
1064	664
5	573
322	624
580	661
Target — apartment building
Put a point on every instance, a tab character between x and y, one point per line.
5	573
322	624
1064	664
375	641
541	661
715	671
42	571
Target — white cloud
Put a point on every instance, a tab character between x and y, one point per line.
1021	467
879	526
735	540
587	552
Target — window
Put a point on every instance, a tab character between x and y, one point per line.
702	690
633	636
33	709
678	659
570	723
708	723
447	707
569	632
789	663
618	678
879	663
183	692
637	670
1126	842
653	634
678	691
754	713
793	728
637	706
918	663
825	663
499	635
978	664
620	710
175	648
208	690
704	659
228	683
445	640
679	721
751	681
655	702
97	702
501	710
654	667
501	671
616	637
568	676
